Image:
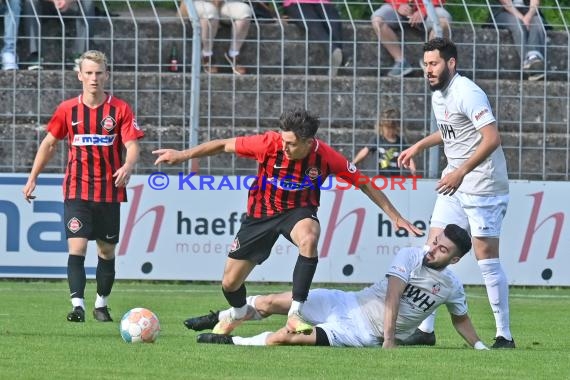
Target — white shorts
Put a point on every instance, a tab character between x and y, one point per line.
232	9
482	215
338	314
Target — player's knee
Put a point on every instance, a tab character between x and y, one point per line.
230	285
308	243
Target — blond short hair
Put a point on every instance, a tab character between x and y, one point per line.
95	56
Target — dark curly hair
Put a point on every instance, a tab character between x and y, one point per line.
459	237
299	121
446	47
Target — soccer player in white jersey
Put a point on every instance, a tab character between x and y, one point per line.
473	191
385	313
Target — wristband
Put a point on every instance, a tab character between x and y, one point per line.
480	346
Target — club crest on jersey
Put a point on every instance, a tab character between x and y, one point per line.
436	288
313	173
74	224
350	167
136	125
108	123
235	245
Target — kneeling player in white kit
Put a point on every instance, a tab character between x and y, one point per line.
385	313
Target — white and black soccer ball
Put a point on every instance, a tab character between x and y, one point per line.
139	325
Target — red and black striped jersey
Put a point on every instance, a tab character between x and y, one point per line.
95	137
284	184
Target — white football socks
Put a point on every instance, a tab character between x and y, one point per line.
250	300
258	340
498	294
233	312
78	302
295	307
100	301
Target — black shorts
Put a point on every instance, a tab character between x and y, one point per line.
256	236
92	220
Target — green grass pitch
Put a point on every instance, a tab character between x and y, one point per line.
36	342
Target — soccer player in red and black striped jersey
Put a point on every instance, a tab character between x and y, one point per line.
97	127
292	164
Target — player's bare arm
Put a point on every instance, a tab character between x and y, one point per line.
209	148
123	174
464	327
382	201
391	308
43	156
405	159
490	141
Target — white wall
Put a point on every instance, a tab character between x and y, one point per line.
535	238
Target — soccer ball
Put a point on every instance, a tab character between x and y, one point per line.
139	325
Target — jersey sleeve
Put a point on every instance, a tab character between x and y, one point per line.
405	262
475	105
457	302
341	166
57	125
128	125
255	147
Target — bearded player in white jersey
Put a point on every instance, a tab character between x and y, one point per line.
473	191
385	313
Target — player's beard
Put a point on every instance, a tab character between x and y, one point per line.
432	265
442	80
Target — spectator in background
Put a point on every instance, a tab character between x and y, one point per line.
82	10
323	24
409	14
238	12
527	28
388	143
11	10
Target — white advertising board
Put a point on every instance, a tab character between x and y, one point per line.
183	232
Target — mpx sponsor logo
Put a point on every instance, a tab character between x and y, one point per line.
93	139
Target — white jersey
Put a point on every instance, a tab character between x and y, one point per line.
425	290
460	111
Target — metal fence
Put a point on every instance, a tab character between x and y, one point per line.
178	104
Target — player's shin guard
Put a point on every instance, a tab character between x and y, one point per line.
498	294
303	277
76	276
105	276
237	298
237	301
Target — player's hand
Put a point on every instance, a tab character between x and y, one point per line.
406	158
389	344
28	190
403	223
449	184
122	175
168	156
